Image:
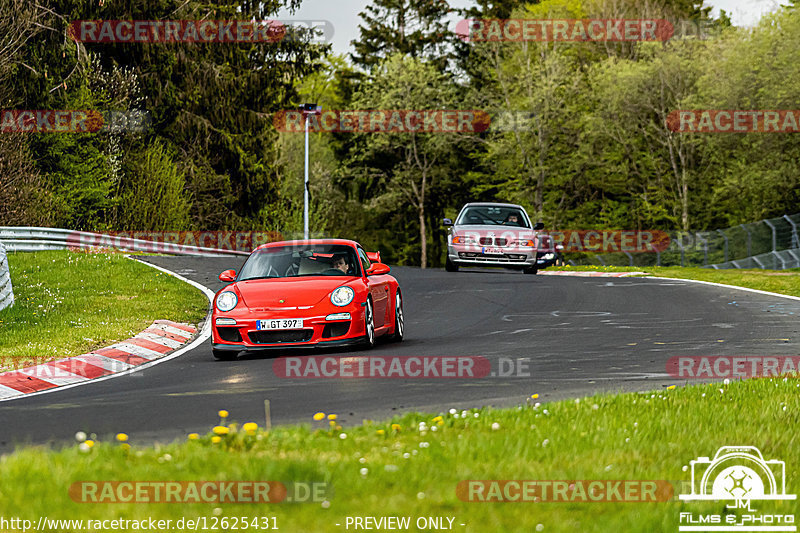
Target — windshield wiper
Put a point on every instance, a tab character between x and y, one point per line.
259	277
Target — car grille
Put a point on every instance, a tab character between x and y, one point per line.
497	241
506	258
337	329
272	337
229	334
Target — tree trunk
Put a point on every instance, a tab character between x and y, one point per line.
423	238
684	201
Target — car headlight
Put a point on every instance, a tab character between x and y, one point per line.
463	239
227	301
342	296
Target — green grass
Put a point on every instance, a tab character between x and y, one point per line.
615	437
781	281
70	303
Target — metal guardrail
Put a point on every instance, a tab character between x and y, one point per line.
780	260
768	244
6	291
32	239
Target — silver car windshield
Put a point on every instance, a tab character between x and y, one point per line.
299	261
493	216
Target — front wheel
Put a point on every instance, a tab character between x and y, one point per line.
450	266
399	320
369	325
530	270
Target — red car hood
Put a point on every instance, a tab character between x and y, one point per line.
295	292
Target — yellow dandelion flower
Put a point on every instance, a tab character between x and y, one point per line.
216	439
89	443
223	413
381	432
440	423
534	396
437	418
221	430
332	423
122	437
671	387
250	427
319	416
395	427
193	436
331	417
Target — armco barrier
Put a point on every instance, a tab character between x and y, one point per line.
32	239
6	291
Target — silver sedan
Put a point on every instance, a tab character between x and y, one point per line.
497	235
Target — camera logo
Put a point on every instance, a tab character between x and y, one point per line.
739	474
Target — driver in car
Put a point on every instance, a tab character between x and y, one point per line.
511	220
340	263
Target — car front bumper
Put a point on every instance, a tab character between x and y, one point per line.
244	336
511	258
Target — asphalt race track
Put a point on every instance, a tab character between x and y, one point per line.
581	335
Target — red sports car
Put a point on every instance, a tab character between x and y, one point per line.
306	293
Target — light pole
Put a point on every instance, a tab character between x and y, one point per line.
307	110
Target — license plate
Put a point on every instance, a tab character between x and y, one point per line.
493	251
279	323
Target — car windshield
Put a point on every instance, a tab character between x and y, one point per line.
301	260
493	216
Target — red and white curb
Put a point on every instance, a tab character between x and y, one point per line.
161	341
155	342
588	274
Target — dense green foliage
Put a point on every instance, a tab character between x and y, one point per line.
593	148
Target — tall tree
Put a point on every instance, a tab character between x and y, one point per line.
211	101
414	27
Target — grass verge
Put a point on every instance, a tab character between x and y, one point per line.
69	303
782	282
377	469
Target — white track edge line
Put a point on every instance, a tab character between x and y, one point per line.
757	291
205	333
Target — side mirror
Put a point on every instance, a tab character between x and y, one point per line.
447	222
375	257
376	269
538	226
228	276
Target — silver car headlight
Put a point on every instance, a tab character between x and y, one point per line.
342	296
227	301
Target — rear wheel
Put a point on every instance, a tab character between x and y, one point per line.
223	355
530	270
399	319
450	266
369	325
